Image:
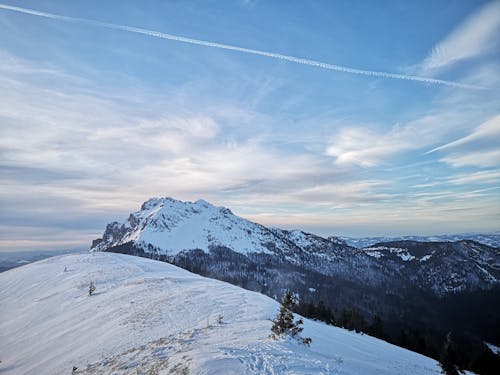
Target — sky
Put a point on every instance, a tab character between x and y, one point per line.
351	118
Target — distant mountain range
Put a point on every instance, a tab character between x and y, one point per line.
490	239
415	287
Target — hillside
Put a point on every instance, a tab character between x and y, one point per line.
152	317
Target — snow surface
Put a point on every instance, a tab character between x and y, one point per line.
378	251
149	317
495	349
425	258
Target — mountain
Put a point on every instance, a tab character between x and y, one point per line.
150	317
490	239
167	226
442	267
171	230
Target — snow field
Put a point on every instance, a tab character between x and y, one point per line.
148	317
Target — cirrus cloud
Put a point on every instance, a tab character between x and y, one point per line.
476	36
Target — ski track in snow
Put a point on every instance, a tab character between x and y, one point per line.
148	317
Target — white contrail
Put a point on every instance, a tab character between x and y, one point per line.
273	55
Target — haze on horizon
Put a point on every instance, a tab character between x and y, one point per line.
299	116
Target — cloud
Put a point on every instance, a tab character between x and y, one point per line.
74	158
476	36
485	135
369	147
362	146
273	55
69	156
481	177
472	211
481	147
344	194
474	159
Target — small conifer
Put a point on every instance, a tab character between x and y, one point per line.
284	323
91	288
448	357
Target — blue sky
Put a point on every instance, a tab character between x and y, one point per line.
95	119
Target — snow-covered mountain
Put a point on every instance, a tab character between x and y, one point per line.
490	239
149	317
173	230
167	226
442	266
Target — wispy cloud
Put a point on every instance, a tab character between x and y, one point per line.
273	55
475	159
481	177
481	147
476	36
485	135
368	146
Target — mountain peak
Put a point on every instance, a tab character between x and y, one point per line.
171	226
168	226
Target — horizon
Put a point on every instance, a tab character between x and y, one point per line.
343	119
324	235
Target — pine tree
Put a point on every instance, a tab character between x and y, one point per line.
447	359
376	329
91	288
284	323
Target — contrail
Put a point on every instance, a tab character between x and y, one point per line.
273	55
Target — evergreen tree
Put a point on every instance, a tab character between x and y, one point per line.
447	359
91	288
376	329
284	323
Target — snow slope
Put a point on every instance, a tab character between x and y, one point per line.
149	317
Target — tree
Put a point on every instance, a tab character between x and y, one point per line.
376	329
284	324
91	288
447	359
352	319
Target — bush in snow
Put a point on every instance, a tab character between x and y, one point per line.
284	324
91	288
219	319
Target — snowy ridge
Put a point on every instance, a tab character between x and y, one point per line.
151	317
